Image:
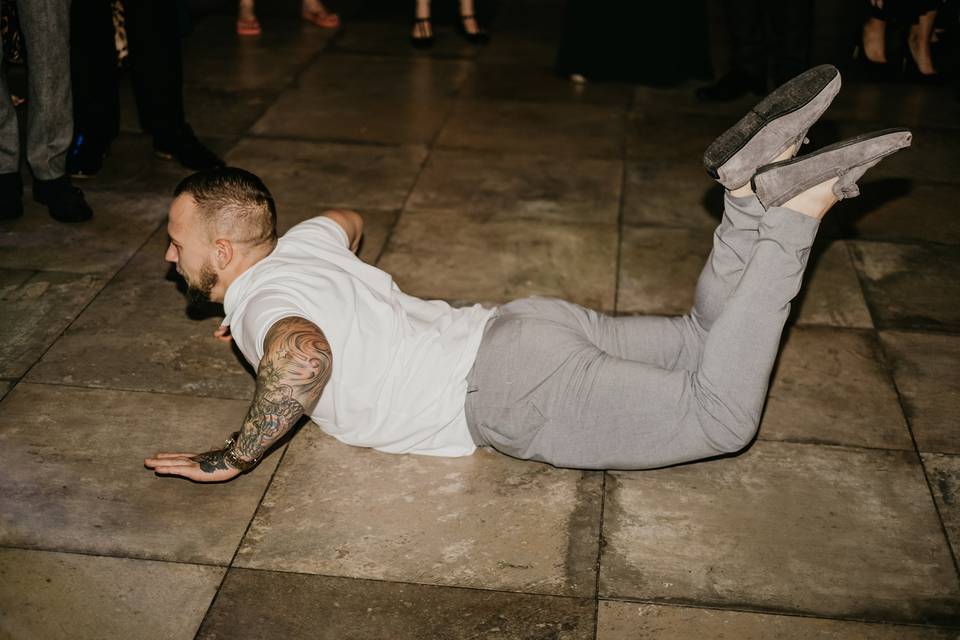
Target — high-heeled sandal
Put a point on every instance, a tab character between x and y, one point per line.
323	19
479	36
417	34
248	27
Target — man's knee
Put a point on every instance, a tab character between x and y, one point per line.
727	429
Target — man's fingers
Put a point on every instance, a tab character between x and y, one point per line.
174	455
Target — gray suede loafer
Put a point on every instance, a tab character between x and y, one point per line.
778	121
779	182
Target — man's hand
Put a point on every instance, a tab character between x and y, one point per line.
202	467
223	333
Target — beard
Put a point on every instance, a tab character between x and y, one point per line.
198	292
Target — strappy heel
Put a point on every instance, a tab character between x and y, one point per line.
478	37
422	26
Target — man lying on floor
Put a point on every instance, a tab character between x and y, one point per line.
333	338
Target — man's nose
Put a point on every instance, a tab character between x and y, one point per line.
171	255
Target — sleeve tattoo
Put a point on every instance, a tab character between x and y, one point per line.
295	368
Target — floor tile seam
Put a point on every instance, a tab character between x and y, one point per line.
820	443
104	275
909	242
712	606
94	298
236	552
374	144
888	366
416	179
114	556
413	583
598	566
169	394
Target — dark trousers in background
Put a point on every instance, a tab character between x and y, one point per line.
770	37
153	33
156	68
93	70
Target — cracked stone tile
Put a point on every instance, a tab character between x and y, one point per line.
826	531
302	174
71	465
368	99
496	186
486	521
290	605
37	307
457	258
831	386
75	597
831	293
944	474
910	286
659	269
535	128
122	222
139	335
928	379
634	621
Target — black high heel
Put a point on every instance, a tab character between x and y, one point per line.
422	41
480	37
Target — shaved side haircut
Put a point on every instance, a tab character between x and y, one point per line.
235	204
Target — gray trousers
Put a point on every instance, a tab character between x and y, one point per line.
46	34
566	385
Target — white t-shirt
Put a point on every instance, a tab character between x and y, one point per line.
399	363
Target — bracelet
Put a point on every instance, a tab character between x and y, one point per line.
231	458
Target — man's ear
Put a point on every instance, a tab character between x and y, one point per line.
224	253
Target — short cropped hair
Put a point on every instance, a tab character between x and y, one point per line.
234	203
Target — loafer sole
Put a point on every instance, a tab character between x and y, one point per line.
787	109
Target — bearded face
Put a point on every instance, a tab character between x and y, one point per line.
198	291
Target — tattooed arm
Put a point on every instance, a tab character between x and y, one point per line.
293	372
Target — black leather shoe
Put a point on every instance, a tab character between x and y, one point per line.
731	86
11	196
65	202
185	148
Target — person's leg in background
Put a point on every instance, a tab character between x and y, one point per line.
46	32
96	100
11	185
746	25
791	23
156	67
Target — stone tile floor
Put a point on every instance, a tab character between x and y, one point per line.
483	178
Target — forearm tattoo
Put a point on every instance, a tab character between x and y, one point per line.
295	368
211	461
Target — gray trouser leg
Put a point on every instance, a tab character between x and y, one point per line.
9	131
677	342
542	389
46	33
